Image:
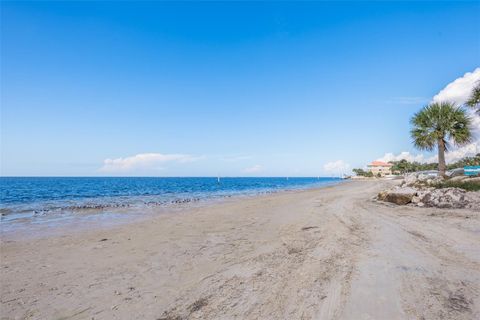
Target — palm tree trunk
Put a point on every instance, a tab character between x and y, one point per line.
442	167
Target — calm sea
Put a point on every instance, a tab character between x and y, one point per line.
27	198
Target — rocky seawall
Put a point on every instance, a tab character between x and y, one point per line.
425	191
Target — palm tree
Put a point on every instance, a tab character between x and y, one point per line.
474	100
438	123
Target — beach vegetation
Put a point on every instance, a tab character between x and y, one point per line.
438	125
362	173
465	185
404	166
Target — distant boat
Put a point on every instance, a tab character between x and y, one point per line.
218	179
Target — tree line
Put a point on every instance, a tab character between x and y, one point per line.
404	166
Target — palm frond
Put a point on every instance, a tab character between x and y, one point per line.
474	99
440	121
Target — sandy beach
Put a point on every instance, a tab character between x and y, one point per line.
329	253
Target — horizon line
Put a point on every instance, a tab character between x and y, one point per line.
213	177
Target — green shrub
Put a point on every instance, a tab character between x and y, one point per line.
362	173
465	185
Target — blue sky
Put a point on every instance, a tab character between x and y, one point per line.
231	89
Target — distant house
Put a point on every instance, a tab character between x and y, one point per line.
380	168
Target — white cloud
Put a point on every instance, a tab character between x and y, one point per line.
468	150
338	166
144	161
405	155
462	152
475	124
254	169
460	89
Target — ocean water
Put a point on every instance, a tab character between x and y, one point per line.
29	198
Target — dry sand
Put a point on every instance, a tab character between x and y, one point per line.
330	253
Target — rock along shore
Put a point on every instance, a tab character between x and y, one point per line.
422	190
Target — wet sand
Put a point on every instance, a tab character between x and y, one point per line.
329	253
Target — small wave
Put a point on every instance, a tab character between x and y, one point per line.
93	206
47	197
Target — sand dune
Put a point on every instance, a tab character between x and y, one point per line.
329	253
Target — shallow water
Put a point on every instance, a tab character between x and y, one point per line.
49	199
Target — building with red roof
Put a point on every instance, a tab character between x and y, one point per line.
380	168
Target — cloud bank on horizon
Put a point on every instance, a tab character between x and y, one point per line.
457	91
143	161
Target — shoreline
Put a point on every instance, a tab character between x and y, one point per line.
312	254
85	218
